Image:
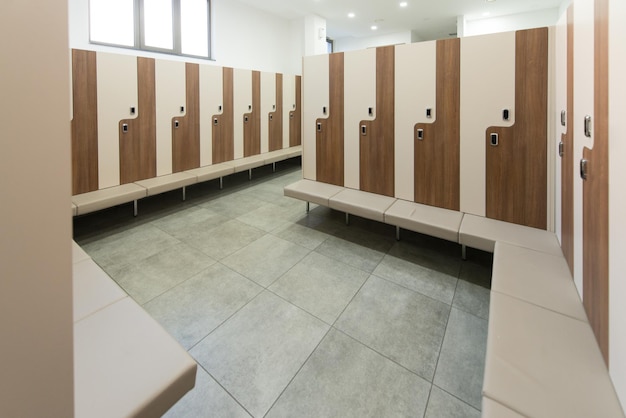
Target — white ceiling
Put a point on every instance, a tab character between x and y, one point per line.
430	19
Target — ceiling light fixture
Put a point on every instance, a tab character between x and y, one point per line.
403	4
351	15
374	27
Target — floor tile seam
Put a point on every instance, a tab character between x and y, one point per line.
458	308
226	319
386	357
417	291
443	339
341	261
455	397
223	388
298	371
294	223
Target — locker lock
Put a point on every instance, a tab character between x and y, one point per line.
290	115
219	108
561	149
271	117
588	126
429	113
584	167
563	117
245	118
420	134
124	127
319	127
370	111
176	124
249	107
273	107
182	109
493	139
215	121
506	114
364	130
324	110
132	110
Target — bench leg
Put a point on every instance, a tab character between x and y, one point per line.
184	194
250	174
307	207
397	233
463	252
347	218
135	207
273	167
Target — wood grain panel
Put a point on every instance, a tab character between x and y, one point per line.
252	120
517	168
567	161
275	122
223	145
329	138
138	144
186	137
436	159
84	122
295	117
376	156
596	192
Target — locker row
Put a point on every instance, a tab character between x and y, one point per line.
136	118
460	124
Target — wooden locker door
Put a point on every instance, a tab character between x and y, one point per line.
252	120
596	193
295	116
211	99
275	118
84	122
329	131
436	160
516	181
137	137
186	129
376	156
223	124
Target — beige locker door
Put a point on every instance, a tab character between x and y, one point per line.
415	93
315	105
211	103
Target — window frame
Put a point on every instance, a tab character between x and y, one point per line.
139	32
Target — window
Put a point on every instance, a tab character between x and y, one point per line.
172	26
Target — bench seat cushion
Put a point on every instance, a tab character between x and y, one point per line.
93	289
74	210
360	203
429	220
544	364
312	191
248	163
126	364
211	172
106	198
536	277
482	233
167	182
295	151
278	155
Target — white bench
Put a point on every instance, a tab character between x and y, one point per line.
428	220
125	363
212	172
168	182
109	197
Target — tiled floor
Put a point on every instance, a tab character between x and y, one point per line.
292	314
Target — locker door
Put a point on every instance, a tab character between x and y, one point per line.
137	136
211	99
186	129
377	136
517	156
275	117
252	119
315	105
84	122
295	115
329	131
243	111
436	155
170	103
223	124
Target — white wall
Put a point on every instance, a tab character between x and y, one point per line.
242	37
36	325
547	17
352	44
314	35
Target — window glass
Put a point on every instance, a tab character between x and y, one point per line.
112	22
194	27
158	30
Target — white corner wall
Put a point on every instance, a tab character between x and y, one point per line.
36	324
352	44
540	18
242	37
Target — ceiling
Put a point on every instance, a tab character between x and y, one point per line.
430	19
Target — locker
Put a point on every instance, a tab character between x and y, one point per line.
271	111
186	129
244	111
223	126
211	99
289	105
252	119
315	104
295	116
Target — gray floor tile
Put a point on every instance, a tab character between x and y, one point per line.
343	378
266	259
191	310
355	255
183	223
266	217
233	205
320	285
428	252
477	270
301	235
403	325
225	239
256	353
432	283
150	277
472	298
206	400
444	405
462	359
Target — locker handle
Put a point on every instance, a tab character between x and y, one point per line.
588	126
250	107
124	127
563	117
584	167
506	114
370	111
324	110
219	108
420	134
182	109
364	130
273	107
132	110
176	124
493	140
319	127
561	149
429	113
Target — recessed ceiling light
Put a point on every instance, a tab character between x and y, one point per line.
490	1
485	14
374	27
351	15
403	4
